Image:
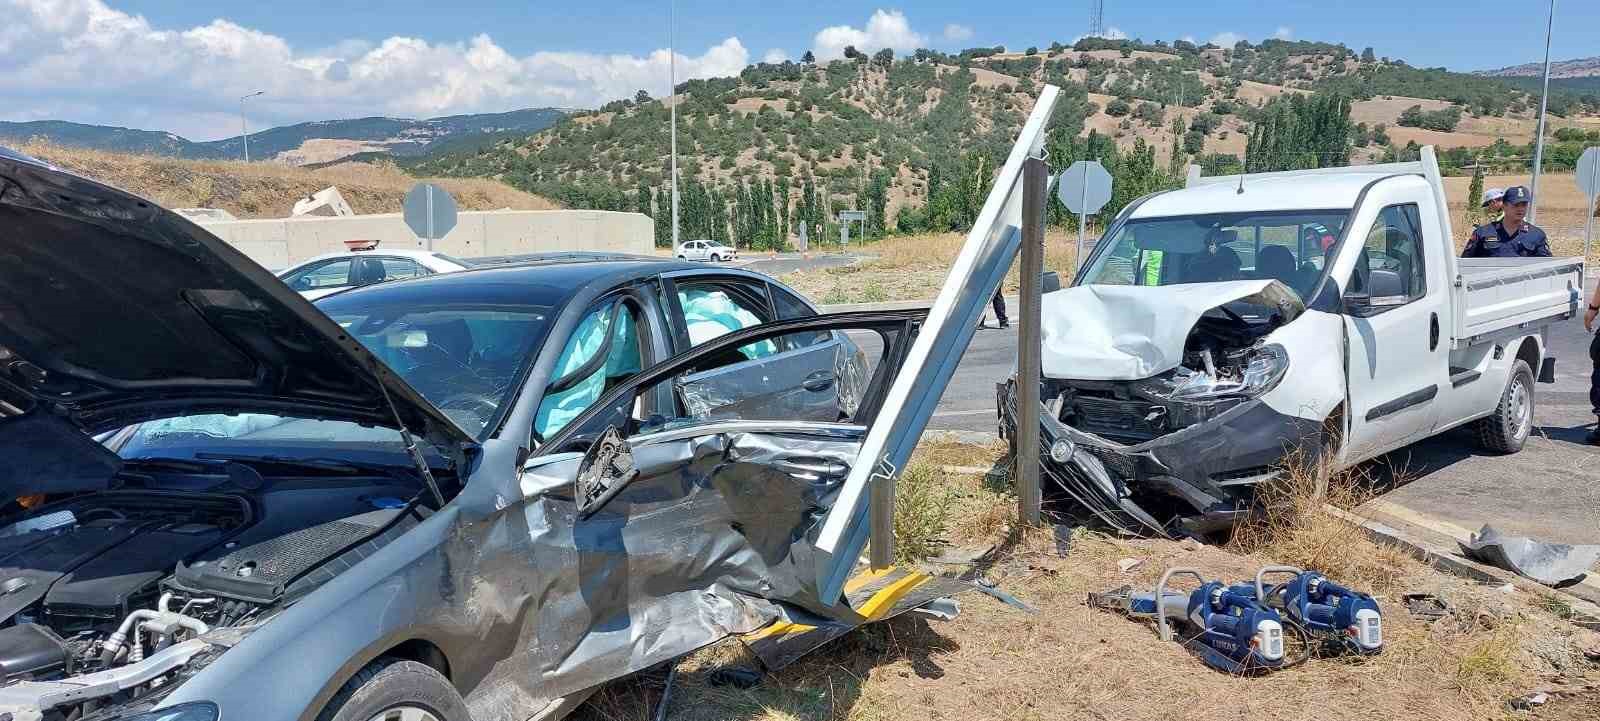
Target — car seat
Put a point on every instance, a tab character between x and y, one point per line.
1276	263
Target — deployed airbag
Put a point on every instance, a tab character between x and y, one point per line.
1119	332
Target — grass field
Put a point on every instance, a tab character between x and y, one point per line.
269	190
1069	660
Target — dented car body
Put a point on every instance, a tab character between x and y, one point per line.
480	494
1222	331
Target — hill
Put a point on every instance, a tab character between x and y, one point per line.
1579	68
879	132
303	143
268	190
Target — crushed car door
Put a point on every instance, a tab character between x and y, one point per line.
798	373
672	531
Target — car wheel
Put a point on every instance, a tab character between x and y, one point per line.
1506	429
682	258
716	258
392	689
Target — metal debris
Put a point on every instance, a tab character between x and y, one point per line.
1552	564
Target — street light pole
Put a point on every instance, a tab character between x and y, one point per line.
1538	142
672	95
244	126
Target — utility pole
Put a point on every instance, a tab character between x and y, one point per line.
672	94
244	126
1538	141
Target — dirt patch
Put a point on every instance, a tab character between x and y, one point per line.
269	190
1069	660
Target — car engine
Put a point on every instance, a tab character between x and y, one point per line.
112	598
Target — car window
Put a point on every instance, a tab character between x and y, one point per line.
789	305
1283	246
401	268
332	274
581	374
1390	267
716	308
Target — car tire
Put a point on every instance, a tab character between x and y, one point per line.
716	258
1507	428
396	688
682	258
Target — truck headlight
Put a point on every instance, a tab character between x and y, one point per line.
1263	368
197	711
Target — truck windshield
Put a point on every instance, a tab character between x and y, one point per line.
1284	246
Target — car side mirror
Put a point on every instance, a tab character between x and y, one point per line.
607	467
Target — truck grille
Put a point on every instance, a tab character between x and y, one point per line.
1114	418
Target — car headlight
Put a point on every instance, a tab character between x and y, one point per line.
195	711
1263	368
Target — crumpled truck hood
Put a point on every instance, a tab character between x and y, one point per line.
1123	332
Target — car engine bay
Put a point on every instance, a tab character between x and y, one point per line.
111	598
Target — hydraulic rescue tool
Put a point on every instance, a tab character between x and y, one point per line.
1227	627
1334	614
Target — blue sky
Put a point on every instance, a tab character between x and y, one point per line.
180	66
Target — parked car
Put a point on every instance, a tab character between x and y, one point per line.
435	498
706	250
1222	329
332	272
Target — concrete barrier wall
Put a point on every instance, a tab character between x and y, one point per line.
279	243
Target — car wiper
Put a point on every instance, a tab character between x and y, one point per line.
175	464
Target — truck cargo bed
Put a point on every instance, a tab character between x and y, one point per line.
1496	295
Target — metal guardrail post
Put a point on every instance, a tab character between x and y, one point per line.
1034	187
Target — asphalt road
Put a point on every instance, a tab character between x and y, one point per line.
1442	487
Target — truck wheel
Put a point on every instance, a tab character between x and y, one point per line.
390	689
1506	429
716	258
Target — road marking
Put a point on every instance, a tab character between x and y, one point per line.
973	412
1445	527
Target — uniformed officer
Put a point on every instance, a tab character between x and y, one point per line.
1511	236
1594	357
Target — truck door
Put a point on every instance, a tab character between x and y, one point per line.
1394	311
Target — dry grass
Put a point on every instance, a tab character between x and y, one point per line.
912	267
1072	661
269	190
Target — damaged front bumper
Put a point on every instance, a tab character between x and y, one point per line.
1195	480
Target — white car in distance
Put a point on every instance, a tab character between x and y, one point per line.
364	265
705	250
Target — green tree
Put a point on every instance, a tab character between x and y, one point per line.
1117	108
1475	194
808	58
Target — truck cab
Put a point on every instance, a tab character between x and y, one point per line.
1220	328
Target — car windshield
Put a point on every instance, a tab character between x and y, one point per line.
464	352
1284	246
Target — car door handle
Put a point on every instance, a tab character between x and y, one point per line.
818	381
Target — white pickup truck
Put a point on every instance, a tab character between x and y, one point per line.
1219	327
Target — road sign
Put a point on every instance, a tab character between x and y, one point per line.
1085	188
848	215
430	212
1589	172
1589	183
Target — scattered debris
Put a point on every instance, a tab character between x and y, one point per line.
1552	564
666	692
1063	537
740	677
962	556
1425	606
988	587
1523	703
1128	564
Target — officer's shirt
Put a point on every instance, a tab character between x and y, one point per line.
1492	240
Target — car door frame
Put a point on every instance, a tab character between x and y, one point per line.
1389	407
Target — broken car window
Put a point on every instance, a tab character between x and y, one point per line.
1287	247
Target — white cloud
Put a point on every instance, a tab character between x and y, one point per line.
885	29
1187	38
955	32
775	56
55	56
1284	32
1225	40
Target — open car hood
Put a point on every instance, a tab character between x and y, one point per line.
1122	332
115	311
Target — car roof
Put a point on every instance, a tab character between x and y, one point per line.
573	274
392	252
